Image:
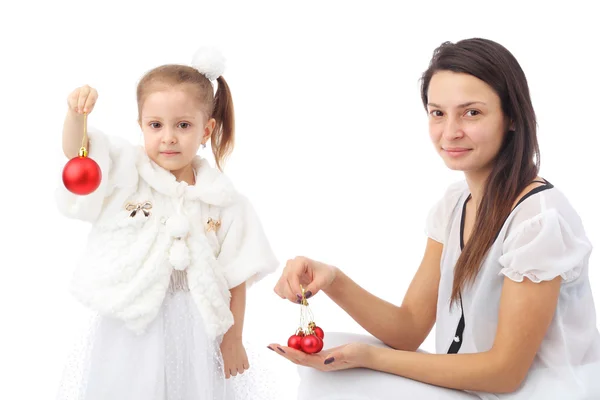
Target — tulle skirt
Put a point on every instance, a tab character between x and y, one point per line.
173	360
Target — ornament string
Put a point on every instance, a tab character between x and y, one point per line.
306	315
83	151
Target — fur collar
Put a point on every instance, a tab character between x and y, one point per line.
212	186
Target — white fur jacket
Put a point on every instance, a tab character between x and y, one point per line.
145	225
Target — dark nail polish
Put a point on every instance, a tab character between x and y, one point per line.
308	294
329	360
299	301
270	348
298	296
281	350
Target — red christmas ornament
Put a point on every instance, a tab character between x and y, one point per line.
321	344
82	175
295	342
311	344
319	332
308	337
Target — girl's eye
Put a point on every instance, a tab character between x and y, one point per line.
184	125
155	125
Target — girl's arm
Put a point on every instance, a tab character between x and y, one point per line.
526	311
238	309
402	327
235	359
73	134
79	101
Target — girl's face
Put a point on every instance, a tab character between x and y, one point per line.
174	127
466	122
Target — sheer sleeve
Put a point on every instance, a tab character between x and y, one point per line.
439	216
542	248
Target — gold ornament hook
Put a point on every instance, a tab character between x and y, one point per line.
304	301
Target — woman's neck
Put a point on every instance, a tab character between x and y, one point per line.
476	181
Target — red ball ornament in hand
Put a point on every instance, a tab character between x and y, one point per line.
321	344
295	342
319	332
82	175
308	338
311	344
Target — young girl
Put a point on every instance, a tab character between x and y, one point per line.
173	246
504	277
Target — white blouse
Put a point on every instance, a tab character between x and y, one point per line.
541	239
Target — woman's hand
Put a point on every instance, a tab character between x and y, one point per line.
347	356
312	275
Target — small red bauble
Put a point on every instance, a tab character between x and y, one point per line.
295	342
319	332
81	175
311	343
321	343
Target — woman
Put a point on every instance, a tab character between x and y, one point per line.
504	276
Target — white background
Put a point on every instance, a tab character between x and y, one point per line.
332	142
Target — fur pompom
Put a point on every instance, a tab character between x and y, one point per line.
178	226
210	62
179	255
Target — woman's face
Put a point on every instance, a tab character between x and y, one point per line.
466	122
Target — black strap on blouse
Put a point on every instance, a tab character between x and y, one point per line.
460	329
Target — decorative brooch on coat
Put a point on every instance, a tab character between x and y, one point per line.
135	208
212	224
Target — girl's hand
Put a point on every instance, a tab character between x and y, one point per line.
82	100
347	356
312	275
235	359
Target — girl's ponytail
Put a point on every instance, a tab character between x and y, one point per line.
222	139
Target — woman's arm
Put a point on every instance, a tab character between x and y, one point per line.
402	327
526	311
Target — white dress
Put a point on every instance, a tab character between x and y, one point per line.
173	360
541	239
157	282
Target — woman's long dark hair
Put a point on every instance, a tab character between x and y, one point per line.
517	163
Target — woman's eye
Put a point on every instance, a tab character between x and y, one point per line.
473	113
436	113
